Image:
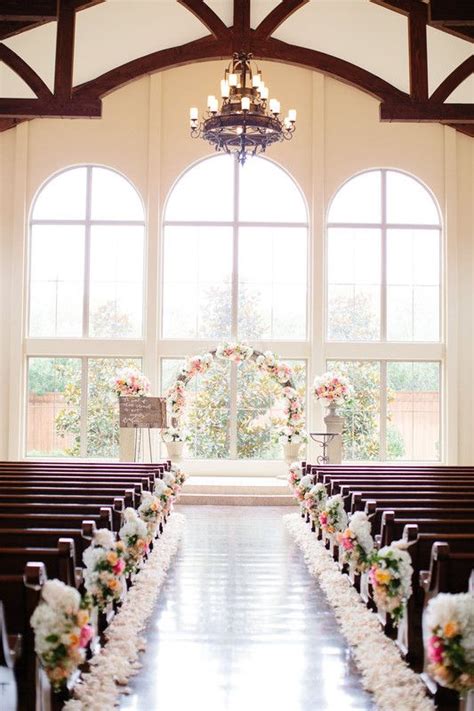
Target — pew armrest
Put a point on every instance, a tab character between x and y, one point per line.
424	580
79	577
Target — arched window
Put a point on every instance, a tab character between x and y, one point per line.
383	326
235	253
234	268
86	257
383	260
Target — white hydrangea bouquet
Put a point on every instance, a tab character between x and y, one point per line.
449	621
62	631
131	382
164	493
304	485
356	542
333	517
391	574
104	562
134	534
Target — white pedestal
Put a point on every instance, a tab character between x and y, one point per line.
127	444
291	452
334	425
175	450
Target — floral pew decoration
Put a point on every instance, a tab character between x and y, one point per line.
301	489
449	625
165	494
62	631
315	502
294	476
356	545
333	517
134	535
151	511
391	574
104	562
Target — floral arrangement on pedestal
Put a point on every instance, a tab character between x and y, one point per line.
134	535
150	511
333	518
62	631
315	501
449	620
332	389
391	575
295	474
131	382
292	427
104	562
173	434
356	543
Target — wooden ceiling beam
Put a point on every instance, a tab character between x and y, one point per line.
427	112
277	16
64	63
207	16
418	53
37	108
452	12
32	11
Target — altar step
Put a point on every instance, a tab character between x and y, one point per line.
236	491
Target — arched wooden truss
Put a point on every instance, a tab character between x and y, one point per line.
222	41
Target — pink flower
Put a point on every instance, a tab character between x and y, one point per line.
119	566
347	543
435	649
85	635
323	518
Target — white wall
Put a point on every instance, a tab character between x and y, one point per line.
144	134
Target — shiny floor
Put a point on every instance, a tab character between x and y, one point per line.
241	626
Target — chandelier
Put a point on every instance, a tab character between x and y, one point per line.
248	121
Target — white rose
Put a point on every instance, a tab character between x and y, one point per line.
105	538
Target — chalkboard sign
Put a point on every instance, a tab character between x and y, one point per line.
143	412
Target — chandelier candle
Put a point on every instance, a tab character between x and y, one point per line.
247	122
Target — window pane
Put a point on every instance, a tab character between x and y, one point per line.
260	410
114	197
102	405
408	201
362	413
413	420
197	283
413	273
63	197
268	194
204	192
116	287
272	283
54	402
353	284
359	200
56	282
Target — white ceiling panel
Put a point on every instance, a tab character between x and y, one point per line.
445	53
355	30
38	48
11	86
118	31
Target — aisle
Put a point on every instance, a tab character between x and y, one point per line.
241	626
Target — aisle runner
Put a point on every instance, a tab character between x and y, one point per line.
394	685
118	660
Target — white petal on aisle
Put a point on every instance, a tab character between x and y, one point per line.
394	685
118	660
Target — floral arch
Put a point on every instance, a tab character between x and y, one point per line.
267	362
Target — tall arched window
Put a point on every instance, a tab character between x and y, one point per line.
85	315
235	267
383	296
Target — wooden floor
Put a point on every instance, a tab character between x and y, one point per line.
241	626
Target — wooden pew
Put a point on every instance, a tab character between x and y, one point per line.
49	537
416	509
86	510
56	520
393	526
20	594
60	561
410	638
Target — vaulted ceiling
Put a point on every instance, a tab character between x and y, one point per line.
415	56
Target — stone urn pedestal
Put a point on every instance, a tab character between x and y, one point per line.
334	425
291	452
175	450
